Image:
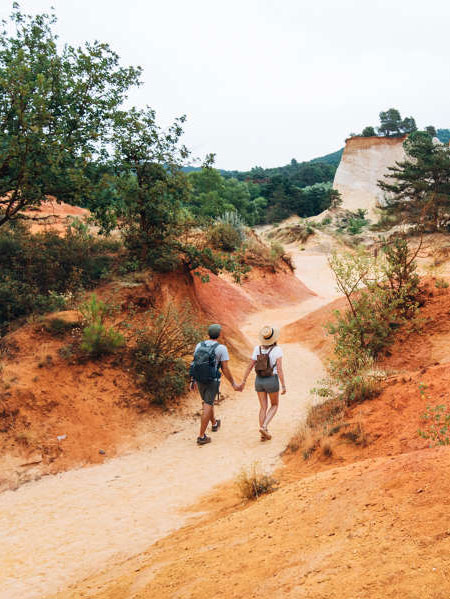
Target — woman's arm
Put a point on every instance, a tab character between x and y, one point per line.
247	372
281	375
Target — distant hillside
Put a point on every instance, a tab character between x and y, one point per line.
332	159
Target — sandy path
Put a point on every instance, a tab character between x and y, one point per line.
60	529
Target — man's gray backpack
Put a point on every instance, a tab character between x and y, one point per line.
204	368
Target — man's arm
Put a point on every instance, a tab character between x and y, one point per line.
226	371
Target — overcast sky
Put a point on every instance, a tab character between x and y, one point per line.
264	81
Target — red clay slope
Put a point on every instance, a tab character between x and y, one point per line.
95	406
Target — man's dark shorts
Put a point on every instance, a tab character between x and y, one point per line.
208	391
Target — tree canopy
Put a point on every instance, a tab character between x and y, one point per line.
56	109
391	125
419	187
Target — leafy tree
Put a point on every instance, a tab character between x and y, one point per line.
392	125
368	132
408	125
431	131
149	194
419	186
149	189
56	110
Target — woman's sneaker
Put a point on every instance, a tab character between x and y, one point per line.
203	440
215	427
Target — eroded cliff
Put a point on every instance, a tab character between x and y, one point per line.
366	160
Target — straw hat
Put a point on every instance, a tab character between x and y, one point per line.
268	335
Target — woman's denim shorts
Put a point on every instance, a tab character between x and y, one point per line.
270	384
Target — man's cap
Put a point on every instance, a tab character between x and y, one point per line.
214	330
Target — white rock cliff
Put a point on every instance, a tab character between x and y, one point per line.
365	160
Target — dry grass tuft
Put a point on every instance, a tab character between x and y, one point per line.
252	482
356	435
327	449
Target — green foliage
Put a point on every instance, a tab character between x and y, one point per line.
436	420
56	108
225	237
441	284
352	222
160	352
41	272
357	223
259	254
392	125
97	338
368	132
420	188
382	296
252	483
213	195
297	188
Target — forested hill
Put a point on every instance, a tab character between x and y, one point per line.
264	195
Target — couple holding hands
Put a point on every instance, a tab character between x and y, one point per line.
211	357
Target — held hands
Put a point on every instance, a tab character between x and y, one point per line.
238	387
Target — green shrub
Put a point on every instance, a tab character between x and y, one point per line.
97	339
252	482
382	295
437	422
441	284
225	237
37	272
233	219
258	254
161	347
352	222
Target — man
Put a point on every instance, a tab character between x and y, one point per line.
210	389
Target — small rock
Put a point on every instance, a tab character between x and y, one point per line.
101	451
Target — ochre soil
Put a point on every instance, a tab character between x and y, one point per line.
368	521
97	408
53	215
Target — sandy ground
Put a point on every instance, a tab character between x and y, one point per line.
63	528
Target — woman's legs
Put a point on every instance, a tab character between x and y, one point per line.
272	410
262	396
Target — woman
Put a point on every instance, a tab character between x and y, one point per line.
267	361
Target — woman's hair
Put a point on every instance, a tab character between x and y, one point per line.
271	345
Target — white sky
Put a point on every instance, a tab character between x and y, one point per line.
264	81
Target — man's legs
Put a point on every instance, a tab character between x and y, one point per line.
207	416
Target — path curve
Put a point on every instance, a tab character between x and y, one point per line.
63	528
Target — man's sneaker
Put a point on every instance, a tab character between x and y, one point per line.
203	440
215	427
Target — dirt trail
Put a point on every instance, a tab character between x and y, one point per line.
63	528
